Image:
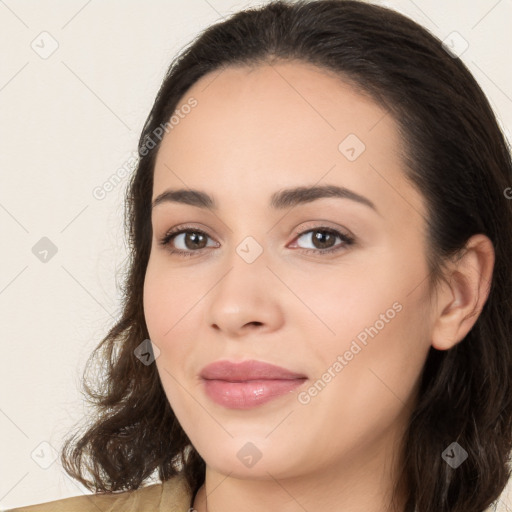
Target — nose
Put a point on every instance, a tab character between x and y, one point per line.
246	298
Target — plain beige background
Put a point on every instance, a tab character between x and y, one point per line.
77	80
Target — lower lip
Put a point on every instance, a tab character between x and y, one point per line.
245	395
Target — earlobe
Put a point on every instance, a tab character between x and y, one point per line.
462	297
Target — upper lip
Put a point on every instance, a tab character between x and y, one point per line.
246	370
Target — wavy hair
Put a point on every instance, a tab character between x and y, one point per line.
454	153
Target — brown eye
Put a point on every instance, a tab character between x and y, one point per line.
185	241
323	240
193	239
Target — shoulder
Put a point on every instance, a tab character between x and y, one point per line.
173	495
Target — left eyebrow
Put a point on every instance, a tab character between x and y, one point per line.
279	200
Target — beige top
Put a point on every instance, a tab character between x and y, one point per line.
173	495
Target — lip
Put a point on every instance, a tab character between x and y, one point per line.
246	370
247	384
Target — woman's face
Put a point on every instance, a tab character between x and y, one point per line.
254	278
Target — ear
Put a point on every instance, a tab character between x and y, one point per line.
460	300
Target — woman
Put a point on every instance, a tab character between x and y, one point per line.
369	369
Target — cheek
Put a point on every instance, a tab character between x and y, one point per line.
343	304
376	322
171	313
368	374
162	306
156	304
165	300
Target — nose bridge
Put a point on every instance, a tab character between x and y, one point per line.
248	239
244	293
250	250
247	264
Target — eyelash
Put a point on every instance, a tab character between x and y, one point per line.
164	241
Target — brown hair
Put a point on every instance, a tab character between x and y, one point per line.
455	154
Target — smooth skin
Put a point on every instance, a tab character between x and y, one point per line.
254	132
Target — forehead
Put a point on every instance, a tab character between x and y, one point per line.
256	129
291	103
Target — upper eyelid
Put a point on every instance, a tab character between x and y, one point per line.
317	225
